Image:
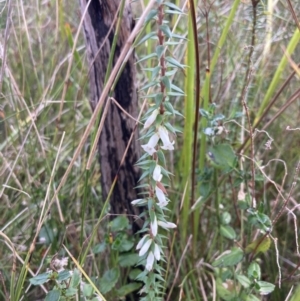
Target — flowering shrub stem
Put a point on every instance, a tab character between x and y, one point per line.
158	133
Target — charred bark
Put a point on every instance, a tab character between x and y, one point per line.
99	27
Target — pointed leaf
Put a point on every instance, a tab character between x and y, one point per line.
166	30
174	62
151	15
159	50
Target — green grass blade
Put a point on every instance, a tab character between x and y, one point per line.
277	76
186	157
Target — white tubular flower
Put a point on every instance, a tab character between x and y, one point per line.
141	242
164	136
150	146
151	119
162	201
150	261
145	247
154	226
139	201
157	176
166	225
156	252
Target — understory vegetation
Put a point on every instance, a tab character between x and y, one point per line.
218	86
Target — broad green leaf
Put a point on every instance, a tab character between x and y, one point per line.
53	295
243	280
63	275
252	298
254	271
109	280
134	274
227	232
99	248
87	290
128	288
40	279
265	288
47	234
223	292
225	218
222	156
75	280
122	244
71	291
229	258
261	244
128	260
119	223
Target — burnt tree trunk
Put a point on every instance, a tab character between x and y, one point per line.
99	31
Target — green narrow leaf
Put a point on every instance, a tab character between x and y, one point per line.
166	82
151	15
147	37
159	50
147	57
169	107
174	62
173	6
166	30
